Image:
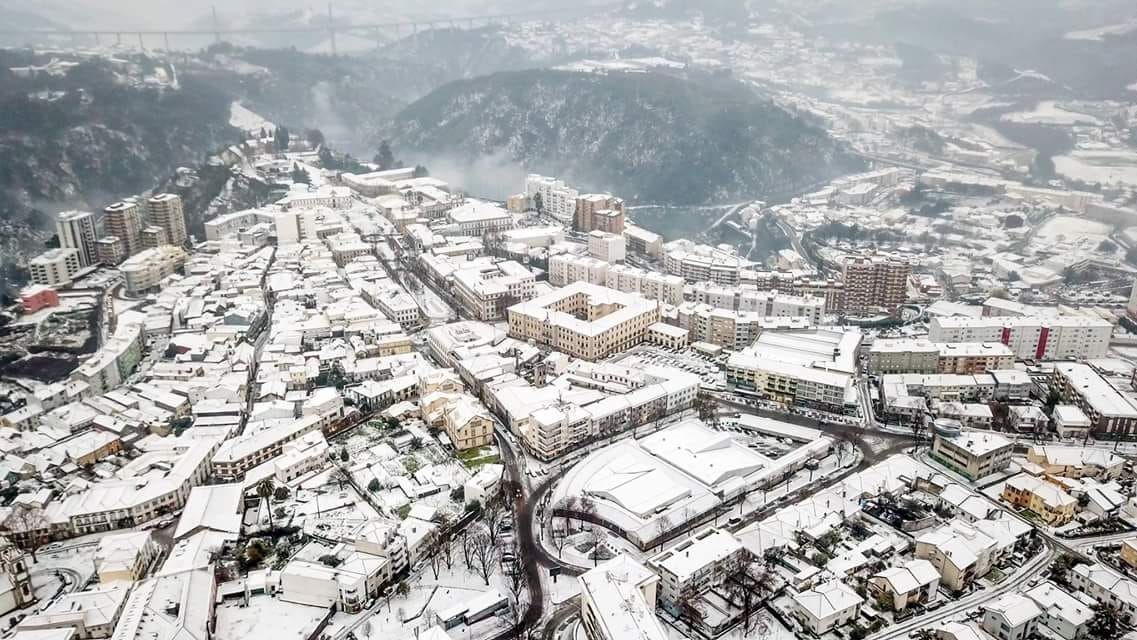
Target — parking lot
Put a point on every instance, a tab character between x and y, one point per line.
711	372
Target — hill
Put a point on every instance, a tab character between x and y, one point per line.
649	137
80	136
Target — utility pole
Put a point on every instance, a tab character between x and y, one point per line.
166	38
216	27
332	29
141	46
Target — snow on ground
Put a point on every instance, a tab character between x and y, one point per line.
1049	112
246	120
1099	33
397	617
1099	166
1072	227
266	617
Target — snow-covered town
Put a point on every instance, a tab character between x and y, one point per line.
378	406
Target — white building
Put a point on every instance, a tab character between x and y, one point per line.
827	606
814	367
555	199
476	218
1032	338
1012	616
697	564
487	290
973	454
1062	613
608	247
1107	587
146	269
617	601
55	267
76	230
914	582
649	284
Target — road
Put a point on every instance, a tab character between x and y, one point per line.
1013	583
527	543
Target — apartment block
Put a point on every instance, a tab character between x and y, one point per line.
1030	338
599	211
166	213
765	303
54	267
486	291
875	282
1109	409
609	247
972	454
125	220
923	356
76	230
552	197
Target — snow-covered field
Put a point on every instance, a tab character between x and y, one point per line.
246	120
1099	166
1071	227
267	618
1048	112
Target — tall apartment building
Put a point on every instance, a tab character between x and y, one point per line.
649	284
875	281
599	211
1030	338
54	267
124	220
110	250
166	212
76	230
552	197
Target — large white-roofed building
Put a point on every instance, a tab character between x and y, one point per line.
584	320
815	367
647	489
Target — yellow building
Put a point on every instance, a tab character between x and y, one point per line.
1129	552
468	424
1048	501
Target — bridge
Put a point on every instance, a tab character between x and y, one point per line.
331	27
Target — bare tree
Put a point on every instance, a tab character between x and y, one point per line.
434	555
29	527
587	507
662	527
484	555
560	540
495	514
595	537
516	581
570	505
689	611
748	587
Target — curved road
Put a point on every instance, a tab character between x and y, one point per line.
527	543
